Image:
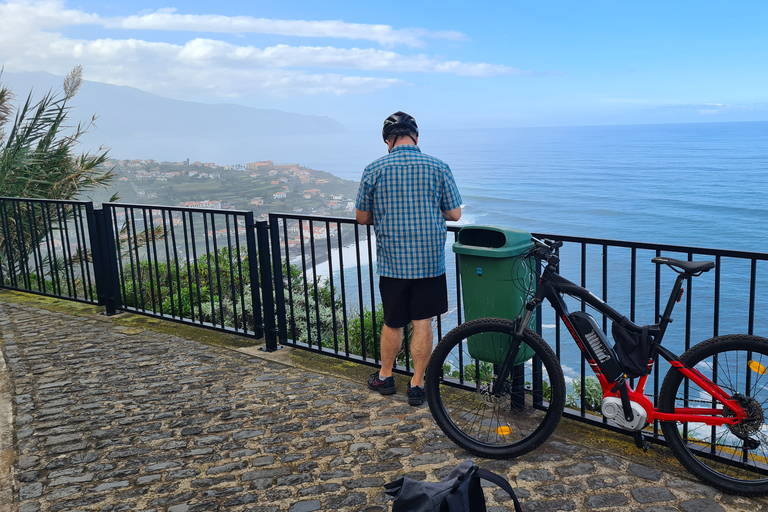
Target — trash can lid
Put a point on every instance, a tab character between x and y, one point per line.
492	241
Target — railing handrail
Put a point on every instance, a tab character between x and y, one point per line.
176	208
729	253
41	200
652	246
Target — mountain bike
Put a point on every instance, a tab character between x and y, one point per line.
496	388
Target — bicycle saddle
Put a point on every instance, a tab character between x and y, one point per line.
689	267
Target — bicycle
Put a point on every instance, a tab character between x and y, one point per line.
711	405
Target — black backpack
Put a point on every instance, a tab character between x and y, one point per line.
460	491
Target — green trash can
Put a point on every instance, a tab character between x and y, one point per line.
493	280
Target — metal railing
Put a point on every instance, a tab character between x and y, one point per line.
331	304
309	281
189	265
726	300
45	248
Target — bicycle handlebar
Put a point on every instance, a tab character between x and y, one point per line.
544	249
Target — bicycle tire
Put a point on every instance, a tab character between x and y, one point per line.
720	456
518	421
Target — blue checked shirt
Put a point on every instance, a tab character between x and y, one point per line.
407	191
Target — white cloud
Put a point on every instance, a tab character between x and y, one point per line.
48	14
205	51
386	35
32	38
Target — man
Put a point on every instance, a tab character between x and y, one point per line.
408	196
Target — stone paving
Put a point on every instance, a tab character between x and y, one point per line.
113	418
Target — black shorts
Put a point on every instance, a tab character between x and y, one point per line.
412	299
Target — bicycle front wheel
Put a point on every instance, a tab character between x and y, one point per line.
733	458
510	420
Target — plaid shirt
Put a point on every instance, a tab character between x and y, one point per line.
407	191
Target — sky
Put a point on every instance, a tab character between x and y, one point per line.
451	64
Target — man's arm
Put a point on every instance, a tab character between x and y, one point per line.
364	217
454	214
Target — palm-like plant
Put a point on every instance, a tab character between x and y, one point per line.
37	156
38	160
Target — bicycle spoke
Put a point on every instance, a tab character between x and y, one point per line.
733	457
478	411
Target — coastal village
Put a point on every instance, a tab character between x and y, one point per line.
261	186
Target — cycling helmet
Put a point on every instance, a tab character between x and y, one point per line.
399	123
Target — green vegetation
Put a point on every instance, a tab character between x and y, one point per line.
213	289
475	371
37	156
38	160
593	394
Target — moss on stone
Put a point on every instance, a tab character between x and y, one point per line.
136	322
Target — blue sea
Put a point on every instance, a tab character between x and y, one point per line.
703	185
698	185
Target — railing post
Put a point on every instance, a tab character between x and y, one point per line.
253	273
102	241
277	272
265	274
270	329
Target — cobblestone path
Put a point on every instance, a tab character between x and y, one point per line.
110	418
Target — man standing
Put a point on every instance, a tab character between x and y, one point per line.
408	196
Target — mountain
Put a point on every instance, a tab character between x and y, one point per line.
137	124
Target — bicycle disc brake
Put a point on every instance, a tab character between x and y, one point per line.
486	395
751	425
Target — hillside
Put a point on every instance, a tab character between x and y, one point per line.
262	187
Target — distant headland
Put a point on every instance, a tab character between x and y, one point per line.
261	186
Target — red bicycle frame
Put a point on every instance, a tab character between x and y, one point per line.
552	287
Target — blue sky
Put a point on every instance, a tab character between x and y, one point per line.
450	64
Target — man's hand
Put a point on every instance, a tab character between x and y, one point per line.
364	218
453	215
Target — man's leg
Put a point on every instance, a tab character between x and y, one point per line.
391	341
395	313
421	349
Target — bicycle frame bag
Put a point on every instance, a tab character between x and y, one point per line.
633	350
460	491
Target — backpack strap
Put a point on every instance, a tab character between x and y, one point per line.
501	482
459	499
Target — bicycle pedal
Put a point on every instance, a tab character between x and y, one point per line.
640	441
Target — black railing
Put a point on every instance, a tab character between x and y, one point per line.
331	300
330	258
187	264
45	247
726	300
308	281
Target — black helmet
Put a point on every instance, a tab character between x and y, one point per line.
399	123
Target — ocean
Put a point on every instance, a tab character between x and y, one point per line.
699	185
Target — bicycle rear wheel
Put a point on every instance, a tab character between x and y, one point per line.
495	425
733	458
